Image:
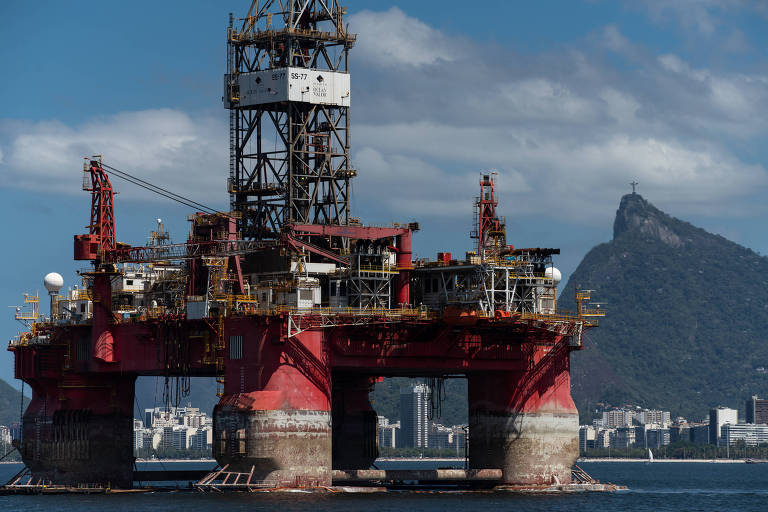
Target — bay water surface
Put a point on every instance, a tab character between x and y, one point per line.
652	487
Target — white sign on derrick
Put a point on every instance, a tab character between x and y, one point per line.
294	84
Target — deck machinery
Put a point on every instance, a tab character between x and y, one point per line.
294	306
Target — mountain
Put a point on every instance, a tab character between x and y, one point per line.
9	403
686	320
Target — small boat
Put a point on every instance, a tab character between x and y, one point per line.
650	456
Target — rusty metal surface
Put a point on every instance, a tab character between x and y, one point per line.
530	448
285	448
431	475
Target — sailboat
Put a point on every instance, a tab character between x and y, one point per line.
650	456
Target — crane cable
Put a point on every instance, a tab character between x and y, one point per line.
162	191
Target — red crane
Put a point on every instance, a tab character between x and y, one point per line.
101	236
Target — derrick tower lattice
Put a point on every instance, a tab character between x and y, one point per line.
490	230
287	89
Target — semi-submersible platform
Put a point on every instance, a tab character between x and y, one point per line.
293	305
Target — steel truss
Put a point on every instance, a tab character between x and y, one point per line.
289	161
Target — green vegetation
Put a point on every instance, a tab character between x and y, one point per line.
171	453
421	452
10	403
686	312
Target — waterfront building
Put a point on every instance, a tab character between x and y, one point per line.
148	438
750	433
148	416
699	433
680	432
657	437
200	439
179	437
605	437
5	439
625	437
587	437
138	435
459	438
640	439
15	429
757	410
717	418
439	436
414	414
389	434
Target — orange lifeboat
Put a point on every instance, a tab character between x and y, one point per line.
453	315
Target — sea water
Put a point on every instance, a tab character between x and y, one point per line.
652	487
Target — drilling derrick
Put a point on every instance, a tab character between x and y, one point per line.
288	92
490	230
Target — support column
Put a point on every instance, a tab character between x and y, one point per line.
525	422
355	423
275	414
79	430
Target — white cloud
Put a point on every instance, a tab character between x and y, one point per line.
393	38
698	15
614	40
581	177
166	147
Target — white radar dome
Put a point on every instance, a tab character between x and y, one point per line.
53	282
553	273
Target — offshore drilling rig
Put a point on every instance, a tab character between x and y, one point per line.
293	305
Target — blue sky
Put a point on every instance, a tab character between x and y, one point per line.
568	100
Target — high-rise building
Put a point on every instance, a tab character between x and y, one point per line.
680	432
604	438
757	411
199	439
148	415
388	433
719	417
625	437
751	434
653	416
617	418
587	437
414	410
699	433
656	437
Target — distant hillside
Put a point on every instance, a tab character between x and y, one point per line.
9	403
687	317
453	409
